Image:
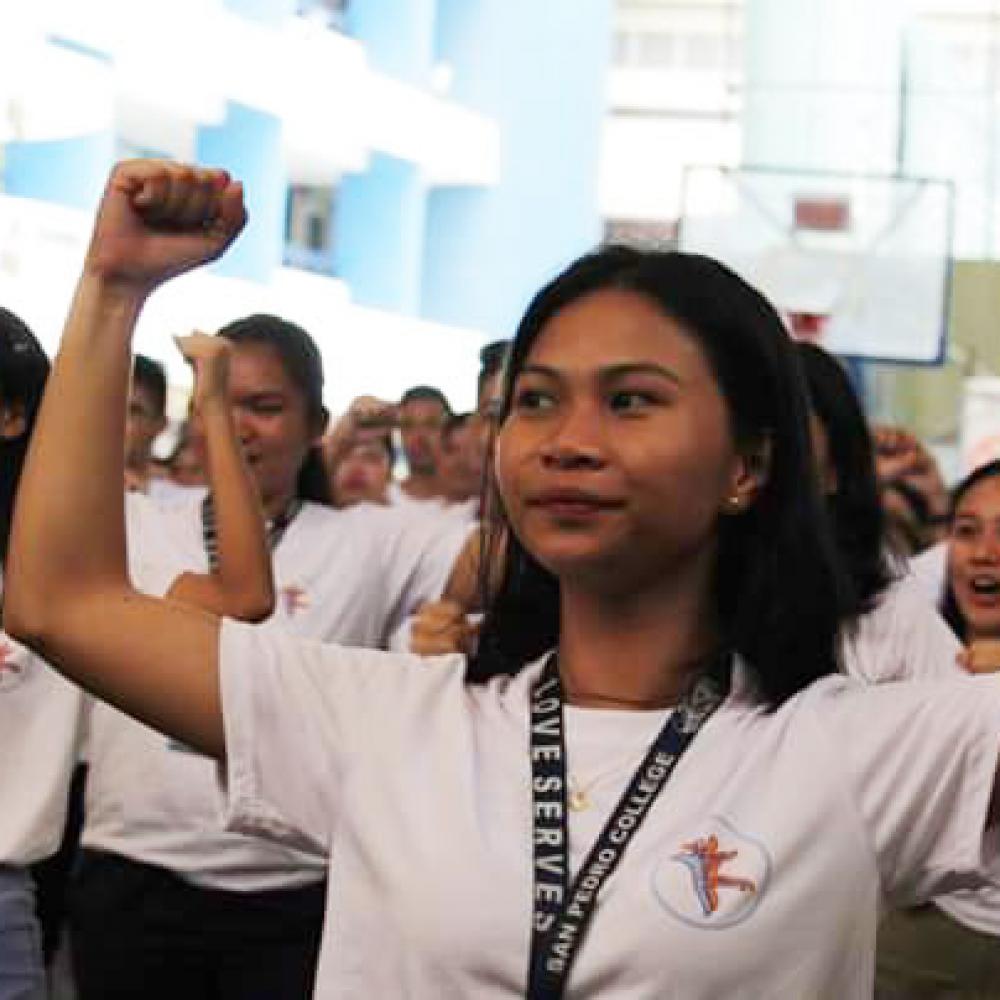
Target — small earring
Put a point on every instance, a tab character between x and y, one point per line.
734	504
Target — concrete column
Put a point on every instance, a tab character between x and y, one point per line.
248	143
540	71
379	232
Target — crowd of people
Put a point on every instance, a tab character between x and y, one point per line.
660	673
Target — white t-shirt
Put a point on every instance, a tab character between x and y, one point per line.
165	492
41	733
903	638
467	510
928	572
843	799
906	638
347	575
41	716
398	497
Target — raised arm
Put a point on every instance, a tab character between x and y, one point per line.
67	589
367	418
242	584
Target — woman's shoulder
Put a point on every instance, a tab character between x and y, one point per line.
396	684
927	573
902	637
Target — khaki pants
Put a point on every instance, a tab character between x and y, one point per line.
925	955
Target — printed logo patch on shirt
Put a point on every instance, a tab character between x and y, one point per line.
294	599
714	878
13	666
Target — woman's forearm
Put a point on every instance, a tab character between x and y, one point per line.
241	586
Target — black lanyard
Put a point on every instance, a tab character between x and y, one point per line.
563	911
210	532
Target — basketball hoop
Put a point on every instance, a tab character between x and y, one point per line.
858	262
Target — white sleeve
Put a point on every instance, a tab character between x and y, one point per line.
153	563
921	763
927	573
297	712
903	638
419	556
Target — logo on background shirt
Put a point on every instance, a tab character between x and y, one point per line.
294	599
12	673
714	879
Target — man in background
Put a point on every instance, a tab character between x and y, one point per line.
422	413
145	420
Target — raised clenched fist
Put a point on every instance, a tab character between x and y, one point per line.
442	627
158	219
209	357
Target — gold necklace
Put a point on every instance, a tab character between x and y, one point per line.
578	793
577	798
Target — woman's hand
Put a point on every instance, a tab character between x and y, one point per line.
981	656
158	219
897	453
442	627
209	357
367	418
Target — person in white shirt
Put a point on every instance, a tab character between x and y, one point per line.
898	633
33	784
359	453
951	945
971	601
668	542
41	714
184	464
145	420
947	947
421	414
157	860
461	463
363	473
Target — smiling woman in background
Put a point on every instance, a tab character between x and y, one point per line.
972	597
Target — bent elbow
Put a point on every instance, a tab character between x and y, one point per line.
254	614
253	608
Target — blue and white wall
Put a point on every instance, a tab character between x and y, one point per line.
462	137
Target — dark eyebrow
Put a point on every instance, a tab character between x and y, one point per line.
640	368
611	372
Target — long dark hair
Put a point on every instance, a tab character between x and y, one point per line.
301	359
855	507
949	606
24	369
780	590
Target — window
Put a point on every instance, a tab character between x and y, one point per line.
309	227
